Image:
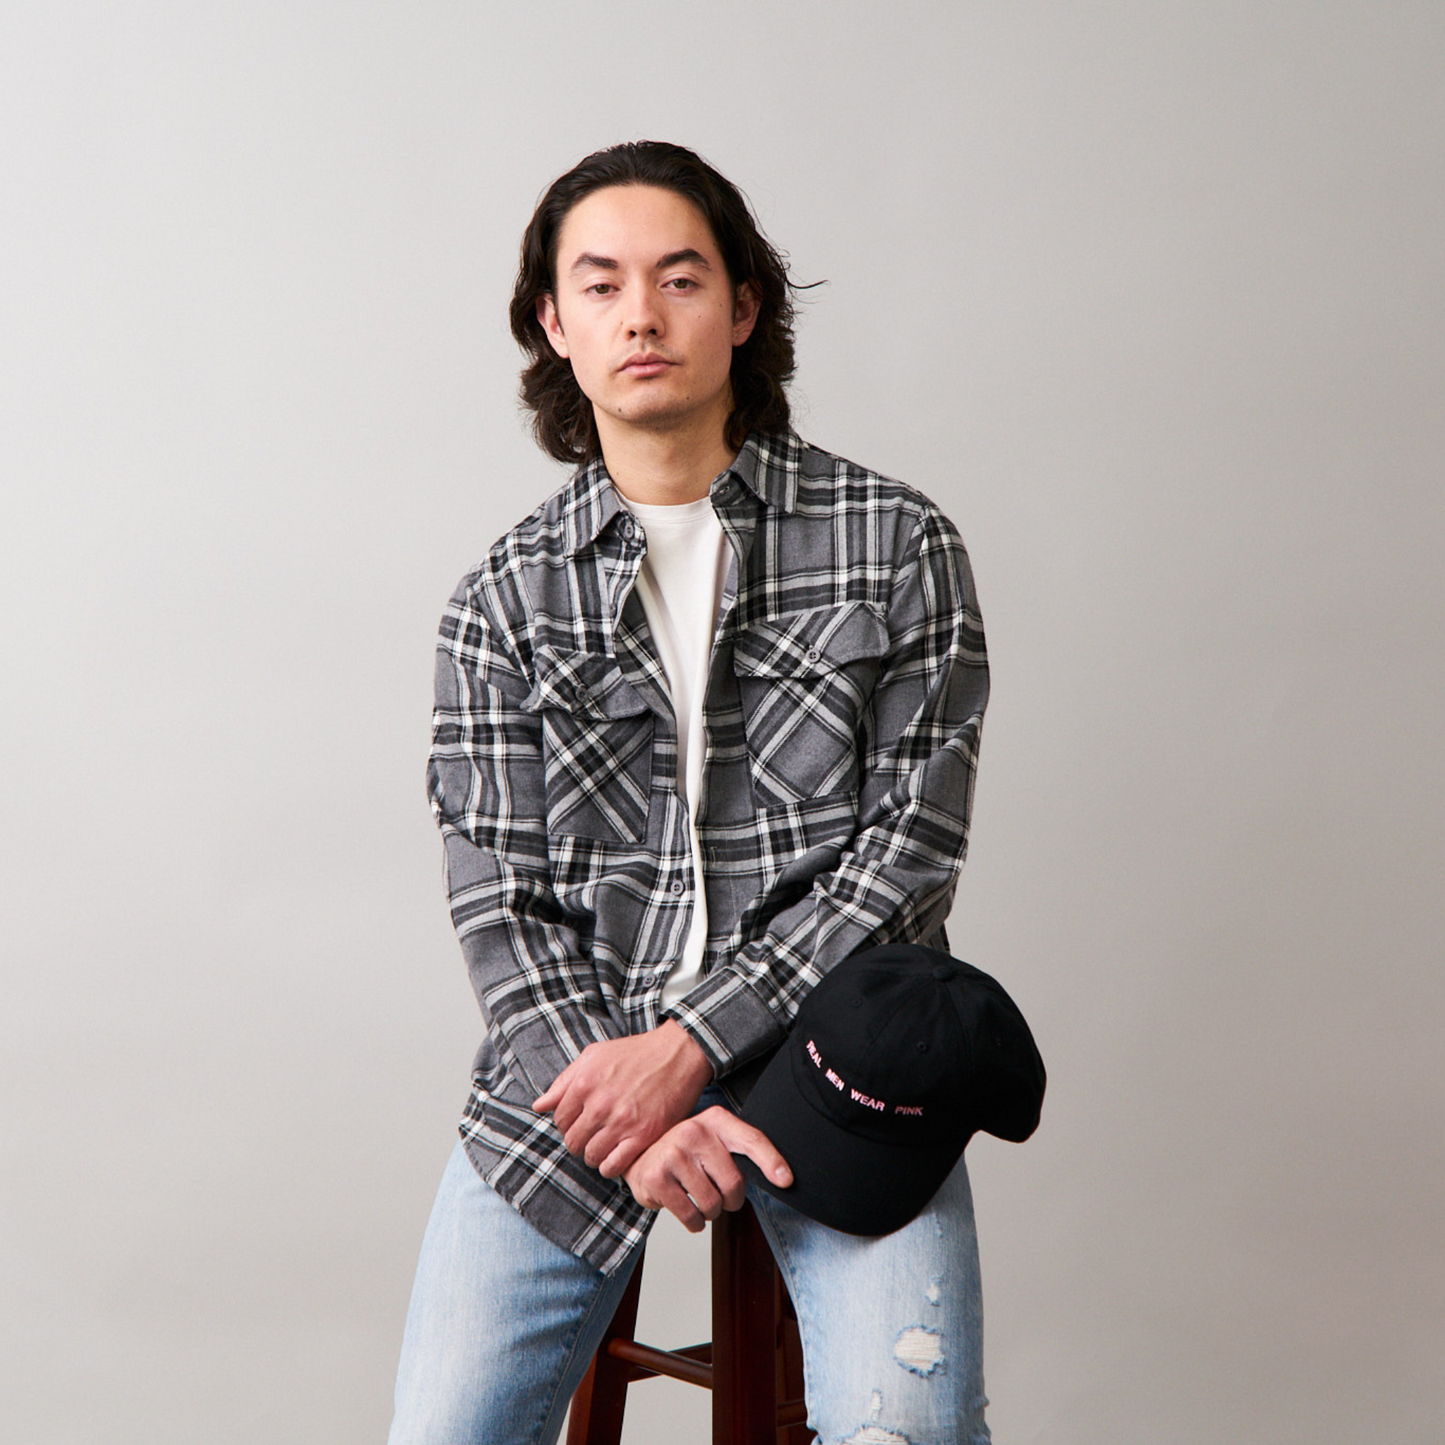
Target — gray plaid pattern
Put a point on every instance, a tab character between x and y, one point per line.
846	692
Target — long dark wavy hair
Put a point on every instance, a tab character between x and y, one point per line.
762	366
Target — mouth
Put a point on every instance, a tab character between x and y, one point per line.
646	364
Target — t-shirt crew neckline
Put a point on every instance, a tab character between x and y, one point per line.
678	514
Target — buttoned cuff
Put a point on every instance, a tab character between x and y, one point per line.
728	1020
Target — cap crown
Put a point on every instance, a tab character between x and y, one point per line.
897	1057
889	1049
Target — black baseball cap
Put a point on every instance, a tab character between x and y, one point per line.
895	1060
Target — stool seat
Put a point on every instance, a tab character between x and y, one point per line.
753	1364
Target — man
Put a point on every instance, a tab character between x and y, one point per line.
706	724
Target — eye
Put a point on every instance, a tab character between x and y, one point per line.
682	283
599	288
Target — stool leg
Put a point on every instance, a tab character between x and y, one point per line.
601	1398
744	1325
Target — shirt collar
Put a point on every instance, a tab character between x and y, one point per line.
589	503
768	464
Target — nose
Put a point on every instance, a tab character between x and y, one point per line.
644	314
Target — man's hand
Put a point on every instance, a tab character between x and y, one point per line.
616	1098
691	1170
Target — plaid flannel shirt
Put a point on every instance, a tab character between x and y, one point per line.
847	688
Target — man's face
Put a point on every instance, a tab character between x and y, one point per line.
645	311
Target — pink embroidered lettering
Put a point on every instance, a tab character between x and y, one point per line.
866	1101
908	1109
813	1054
833	1079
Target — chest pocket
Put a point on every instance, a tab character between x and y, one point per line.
804	680
597	746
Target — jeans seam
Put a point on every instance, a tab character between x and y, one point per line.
578	1330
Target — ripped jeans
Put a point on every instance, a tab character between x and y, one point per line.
503	1323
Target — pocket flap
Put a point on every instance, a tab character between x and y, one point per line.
819	639
586	684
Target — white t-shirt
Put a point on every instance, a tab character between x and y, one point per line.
681	585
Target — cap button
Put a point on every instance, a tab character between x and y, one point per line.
944	971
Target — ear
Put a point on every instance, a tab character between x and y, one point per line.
551	323
745	312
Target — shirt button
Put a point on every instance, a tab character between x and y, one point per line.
813	654
677	885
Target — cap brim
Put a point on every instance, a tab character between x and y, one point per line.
856	1185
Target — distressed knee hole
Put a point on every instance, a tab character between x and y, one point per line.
934	1292
919	1350
876	1435
873	1433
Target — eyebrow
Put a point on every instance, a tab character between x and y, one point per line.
676	258
588	261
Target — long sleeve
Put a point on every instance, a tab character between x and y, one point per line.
536	986
897	879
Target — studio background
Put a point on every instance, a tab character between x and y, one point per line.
1148	296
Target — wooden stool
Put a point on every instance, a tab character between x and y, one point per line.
753	1366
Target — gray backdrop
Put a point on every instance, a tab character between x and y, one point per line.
1148	295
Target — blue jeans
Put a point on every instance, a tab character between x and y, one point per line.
503	1323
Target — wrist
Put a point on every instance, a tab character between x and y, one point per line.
693	1064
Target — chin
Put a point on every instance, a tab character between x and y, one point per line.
654	414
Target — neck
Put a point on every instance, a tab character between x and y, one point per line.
664	468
